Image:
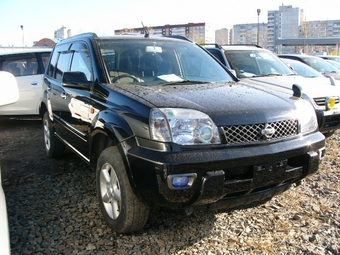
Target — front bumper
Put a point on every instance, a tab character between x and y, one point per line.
227	176
328	120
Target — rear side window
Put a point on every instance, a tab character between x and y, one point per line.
21	64
44	60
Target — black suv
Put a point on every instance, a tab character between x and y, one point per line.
165	124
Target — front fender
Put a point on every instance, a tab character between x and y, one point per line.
111	124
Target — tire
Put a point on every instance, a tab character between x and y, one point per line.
53	146
329	134
122	209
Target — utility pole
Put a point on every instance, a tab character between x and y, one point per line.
258	25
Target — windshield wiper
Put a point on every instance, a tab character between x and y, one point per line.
268	74
184	82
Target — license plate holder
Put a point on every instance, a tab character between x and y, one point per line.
269	173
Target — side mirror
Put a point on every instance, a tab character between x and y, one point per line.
75	80
233	72
9	89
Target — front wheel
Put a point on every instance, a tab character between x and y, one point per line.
53	146
121	208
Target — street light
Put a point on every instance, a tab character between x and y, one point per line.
23	40
258	25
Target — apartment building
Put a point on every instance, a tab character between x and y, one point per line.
197	32
247	34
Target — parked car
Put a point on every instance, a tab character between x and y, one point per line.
334	63
8	95
303	69
166	125
330	57
261	67
317	63
28	67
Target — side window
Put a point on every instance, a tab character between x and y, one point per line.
63	64
20	65
81	61
53	69
53	63
217	55
44	59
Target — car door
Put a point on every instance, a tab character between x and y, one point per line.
28	70
70	105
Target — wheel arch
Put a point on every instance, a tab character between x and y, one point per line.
109	129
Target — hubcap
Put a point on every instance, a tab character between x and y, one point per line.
110	191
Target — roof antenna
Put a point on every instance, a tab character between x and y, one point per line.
146	31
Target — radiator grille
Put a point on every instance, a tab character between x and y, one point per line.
321	101
260	132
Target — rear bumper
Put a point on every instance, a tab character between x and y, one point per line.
224	177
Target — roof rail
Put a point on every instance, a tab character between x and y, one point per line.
211	44
181	37
240	44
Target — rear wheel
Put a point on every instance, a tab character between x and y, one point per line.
121	208
53	146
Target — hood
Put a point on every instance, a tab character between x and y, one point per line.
232	103
313	87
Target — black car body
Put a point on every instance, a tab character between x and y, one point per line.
165	124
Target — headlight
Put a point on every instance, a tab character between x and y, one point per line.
183	126
306	116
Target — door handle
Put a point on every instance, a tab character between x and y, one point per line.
34	83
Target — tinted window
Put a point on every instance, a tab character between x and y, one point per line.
152	62
250	63
52	68
81	60
63	64
44	59
21	65
320	65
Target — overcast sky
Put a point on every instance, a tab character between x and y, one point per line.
41	18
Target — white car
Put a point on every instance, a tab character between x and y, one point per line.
8	95
261	67
28	67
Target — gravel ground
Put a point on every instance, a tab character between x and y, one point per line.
53	209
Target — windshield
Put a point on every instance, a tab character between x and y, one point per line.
321	65
301	68
252	63
334	63
152	62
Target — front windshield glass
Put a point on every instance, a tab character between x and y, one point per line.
150	61
321	65
252	63
301	68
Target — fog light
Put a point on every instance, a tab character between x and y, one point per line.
330	103
181	181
